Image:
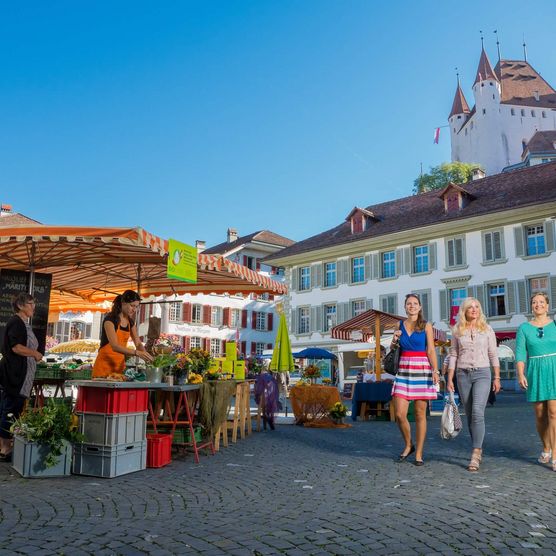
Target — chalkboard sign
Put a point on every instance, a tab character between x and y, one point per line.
13	282
347	392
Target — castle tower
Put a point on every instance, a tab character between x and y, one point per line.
457	118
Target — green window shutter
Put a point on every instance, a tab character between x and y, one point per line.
384	304
479	294
552	293
522	301
295	274
340	316
319	312
497	245
407	266
340	271
426	304
399	262
293	324
511	297
368	304
375	267
488	247
549	235
432	256
519	242
450	249
459	247
347	271
316	275
368	267
313	319
443	304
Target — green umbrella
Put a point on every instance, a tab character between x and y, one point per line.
282	358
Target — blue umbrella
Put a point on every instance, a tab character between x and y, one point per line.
314	353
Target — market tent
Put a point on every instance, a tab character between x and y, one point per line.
314	353
76	346
97	263
372	323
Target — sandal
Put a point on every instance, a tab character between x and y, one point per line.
474	463
545	457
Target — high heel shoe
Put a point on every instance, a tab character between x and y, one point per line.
403	457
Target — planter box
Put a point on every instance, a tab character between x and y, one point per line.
109	461
110	430
28	459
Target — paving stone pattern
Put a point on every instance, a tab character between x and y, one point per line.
302	491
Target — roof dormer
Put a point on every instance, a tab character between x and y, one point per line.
455	198
360	219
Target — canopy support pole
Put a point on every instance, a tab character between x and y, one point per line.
378	361
32	268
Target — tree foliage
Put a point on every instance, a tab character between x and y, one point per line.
440	176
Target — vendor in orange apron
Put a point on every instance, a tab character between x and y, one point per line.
117	327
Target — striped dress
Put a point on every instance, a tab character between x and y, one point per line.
414	378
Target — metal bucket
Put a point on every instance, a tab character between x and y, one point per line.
154	374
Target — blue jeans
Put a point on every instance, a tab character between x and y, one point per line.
474	387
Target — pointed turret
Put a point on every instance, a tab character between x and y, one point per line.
459	106
484	71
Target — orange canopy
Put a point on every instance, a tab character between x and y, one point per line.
94	264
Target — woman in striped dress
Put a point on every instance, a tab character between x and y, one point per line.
417	376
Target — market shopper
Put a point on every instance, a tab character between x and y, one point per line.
473	352
536	347
417	376
17	368
117	327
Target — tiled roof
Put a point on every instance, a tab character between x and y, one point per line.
16	219
542	142
520	81
459	106
484	70
528	186
262	236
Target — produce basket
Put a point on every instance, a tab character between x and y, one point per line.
81	374
49	372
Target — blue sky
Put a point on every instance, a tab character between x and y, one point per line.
187	117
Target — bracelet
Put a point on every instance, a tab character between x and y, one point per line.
496	378
435	372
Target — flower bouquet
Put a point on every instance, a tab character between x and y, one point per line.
182	367
194	378
326	381
200	360
213	374
167	343
337	412
311	373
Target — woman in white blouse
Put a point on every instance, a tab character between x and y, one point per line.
473	352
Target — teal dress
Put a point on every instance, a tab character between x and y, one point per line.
539	354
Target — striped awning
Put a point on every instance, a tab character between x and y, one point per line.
94	264
363	325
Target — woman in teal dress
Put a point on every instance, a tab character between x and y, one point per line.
536	346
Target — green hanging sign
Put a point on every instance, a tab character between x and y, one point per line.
182	261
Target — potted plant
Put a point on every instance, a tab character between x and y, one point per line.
200	360
42	440
311	373
182	367
337	412
155	371
213	374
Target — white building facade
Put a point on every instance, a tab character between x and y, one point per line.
210	321
512	102
445	246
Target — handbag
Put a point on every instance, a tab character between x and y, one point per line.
450	423
392	360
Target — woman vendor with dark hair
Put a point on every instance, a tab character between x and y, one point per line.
118	326
17	368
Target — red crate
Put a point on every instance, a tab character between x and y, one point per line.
110	400
159	450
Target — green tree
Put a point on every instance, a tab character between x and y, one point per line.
440	176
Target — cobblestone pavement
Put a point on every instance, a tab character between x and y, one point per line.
303	491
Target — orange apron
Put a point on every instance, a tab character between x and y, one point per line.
108	361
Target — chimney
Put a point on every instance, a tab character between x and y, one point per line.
478	174
537	96
232	235
5	210
200	245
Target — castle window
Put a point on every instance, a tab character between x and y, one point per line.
482	84
523	144
512	112
491	83
472	125
465	131
493	97
533	113
484	111
522	112
459	117
543	114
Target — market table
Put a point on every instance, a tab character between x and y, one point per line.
312	402
39	384
370	392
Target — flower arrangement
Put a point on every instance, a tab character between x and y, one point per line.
254	366
50	425
200	360
213	374
326	381
311	372
168	343
163	360
195	378
182	365
338	411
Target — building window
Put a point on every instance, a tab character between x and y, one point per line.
539	284
303	320
455	255
533	113
304	278
250	262
492	246
357	270
496	300
196	313
261	321
358	306
457	295
512	112
535	240
195	342
216	316
329	275
235	318
329	317
484	111
388	303
215	347
543	114
175	311
421	259
389	264
259	348
522	112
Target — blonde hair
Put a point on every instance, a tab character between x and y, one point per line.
461	325
542	294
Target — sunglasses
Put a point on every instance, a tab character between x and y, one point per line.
540	332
